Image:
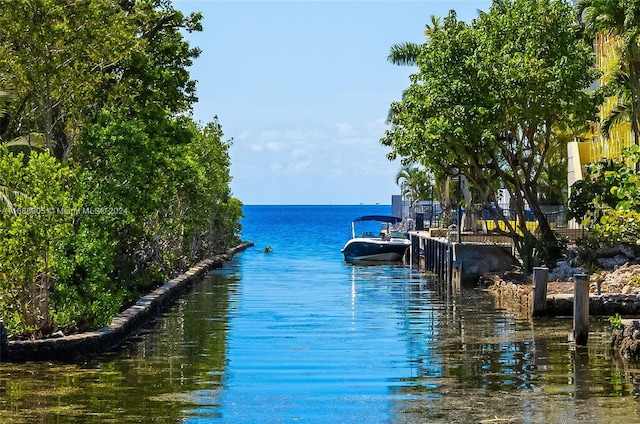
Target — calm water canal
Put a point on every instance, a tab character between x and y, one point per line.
297	335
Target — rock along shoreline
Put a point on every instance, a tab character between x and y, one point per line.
624	340
121	327
511	295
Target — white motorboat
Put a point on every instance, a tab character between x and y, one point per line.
385	241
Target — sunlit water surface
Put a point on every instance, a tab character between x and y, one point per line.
297	335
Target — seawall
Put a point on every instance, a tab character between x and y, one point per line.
121	327
624	340
605	304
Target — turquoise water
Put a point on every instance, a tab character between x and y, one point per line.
298	335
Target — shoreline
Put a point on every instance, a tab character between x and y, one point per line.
625	339
122	326
560	299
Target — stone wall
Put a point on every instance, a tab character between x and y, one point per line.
121	327
627	340
521	295
478	259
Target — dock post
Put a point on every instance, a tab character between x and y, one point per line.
442	271
436	258
580	309
415	251
540	279
427	254
425	249
456	277
436	262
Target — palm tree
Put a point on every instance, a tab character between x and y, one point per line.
618	87
415	182
622	20
407	53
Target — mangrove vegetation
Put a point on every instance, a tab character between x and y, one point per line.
107	184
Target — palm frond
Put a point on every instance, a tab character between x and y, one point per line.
404	54
436	25
620	114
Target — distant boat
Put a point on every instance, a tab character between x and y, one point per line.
386	242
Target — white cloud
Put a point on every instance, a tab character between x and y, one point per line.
356	141
276	166
271	146
298	153
346	130
268	134
301	166
242	136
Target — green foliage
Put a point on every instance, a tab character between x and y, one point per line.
616	322
416	182
618	226
624	180
552	184
593	193
139	191
587	248
58	52
534	251
490	98
622	20
32	233
635	281
528	248
608	201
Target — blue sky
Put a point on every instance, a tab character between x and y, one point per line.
303	88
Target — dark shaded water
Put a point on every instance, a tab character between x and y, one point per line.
297	335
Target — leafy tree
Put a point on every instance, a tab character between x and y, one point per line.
608	201
104	87
591	194
622	20
31	236
57	53
487	100
132	147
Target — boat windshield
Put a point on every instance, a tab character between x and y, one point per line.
375	229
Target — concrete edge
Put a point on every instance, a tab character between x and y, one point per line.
121	327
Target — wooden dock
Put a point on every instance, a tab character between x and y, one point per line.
438	251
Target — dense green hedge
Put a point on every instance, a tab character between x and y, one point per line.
107	185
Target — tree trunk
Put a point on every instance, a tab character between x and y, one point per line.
634	82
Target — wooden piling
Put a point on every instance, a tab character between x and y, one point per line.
580	309
540	279
456	277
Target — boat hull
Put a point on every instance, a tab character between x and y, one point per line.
375	250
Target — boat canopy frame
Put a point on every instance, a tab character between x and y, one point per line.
381	218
